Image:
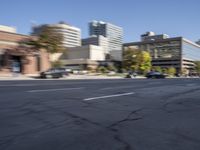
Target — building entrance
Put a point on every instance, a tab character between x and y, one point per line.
16	64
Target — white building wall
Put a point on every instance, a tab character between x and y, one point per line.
97	53
78	53
113	33
108	30
103	42
8	29
91	52
71	35
97	40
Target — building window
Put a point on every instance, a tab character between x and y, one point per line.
38	63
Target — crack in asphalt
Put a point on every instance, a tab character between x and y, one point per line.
7	140
171	96
127	118
110	128
171	99
117	135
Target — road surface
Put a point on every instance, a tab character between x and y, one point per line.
129	114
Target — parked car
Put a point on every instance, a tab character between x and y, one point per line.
54	73
155	75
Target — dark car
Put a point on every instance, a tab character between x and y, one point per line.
54	73
155	75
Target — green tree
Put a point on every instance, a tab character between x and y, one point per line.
197	66
129	59
144	61
102	69
136	60
157	68
185	72
91	69
112	68
164	70
171	71
48	39
57	63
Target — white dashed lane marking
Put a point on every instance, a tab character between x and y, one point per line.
51	90
108	96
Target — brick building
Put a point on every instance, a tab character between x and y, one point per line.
29	60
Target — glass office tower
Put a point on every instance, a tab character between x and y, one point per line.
110	31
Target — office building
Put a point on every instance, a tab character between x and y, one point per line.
168	52
8	29
198	42
151	36
71	34
112	32
83	57
97	40
91	52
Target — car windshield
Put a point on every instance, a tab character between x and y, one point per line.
154	73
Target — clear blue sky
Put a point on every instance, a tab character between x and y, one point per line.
173	17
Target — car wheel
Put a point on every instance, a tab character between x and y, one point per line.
48	76
154	77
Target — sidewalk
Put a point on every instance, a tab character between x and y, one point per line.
74	77
16	77
70	77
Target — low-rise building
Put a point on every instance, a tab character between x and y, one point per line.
28	60
166	52
97	40
83	57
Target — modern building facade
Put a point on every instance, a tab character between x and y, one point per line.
8	29
25	58
198	42
71	34
91	52
151	36
83	56
97	40
112	32
168	52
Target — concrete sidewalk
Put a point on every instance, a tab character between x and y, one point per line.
70	77
16	77
92	77
74	77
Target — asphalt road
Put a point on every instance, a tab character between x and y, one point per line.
139	114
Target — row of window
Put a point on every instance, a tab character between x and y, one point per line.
190	51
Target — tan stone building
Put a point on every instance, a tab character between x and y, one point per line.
30	61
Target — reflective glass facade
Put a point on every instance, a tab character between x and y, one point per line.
190	51
163	50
